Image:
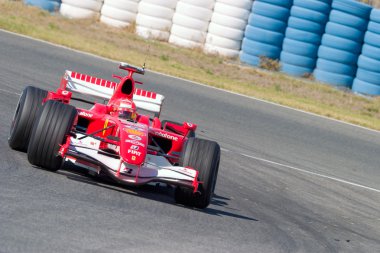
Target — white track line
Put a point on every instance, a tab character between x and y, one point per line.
197	83
306	171
9	92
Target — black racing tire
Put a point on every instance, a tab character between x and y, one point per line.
203	155
29	104
50	130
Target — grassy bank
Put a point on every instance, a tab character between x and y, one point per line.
122	45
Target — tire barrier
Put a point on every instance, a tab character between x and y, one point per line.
80	9
342	43
367	79
154	19
264	33
119	13
49	5
336	40
303	36
227	26
190	23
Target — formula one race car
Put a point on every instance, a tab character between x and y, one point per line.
113	138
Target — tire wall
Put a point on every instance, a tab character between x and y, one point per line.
190	22
119	13
342	43
78	9
226	30
264	33
338	41
49	5
154	19
303	35
367	79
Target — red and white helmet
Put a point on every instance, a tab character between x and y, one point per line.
126	109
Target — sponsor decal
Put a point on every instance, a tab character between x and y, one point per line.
134	137
134	152
166	136
85	114
137	126
134	132
189	124
135	143
134	147
133	158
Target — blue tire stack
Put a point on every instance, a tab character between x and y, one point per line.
367	79
306	26
342	43
264	33
49	5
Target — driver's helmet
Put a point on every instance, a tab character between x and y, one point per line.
126	109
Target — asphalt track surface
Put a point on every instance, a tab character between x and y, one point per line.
288	181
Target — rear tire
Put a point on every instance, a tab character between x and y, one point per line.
29	104
50	130
203	155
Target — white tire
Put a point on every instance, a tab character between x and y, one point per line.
153	23
244	4
118	14
226	32
208	4
164	3
113	22
173	39
228	21
194	11
186	21
76	12
127	5
148	33
230	53
223	42
154	10
231	11
188	33
93	5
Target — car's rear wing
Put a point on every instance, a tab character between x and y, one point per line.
93	86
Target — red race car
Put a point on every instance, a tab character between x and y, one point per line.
113	137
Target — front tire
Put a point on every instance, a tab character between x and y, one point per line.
204	156
49	132
29	104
